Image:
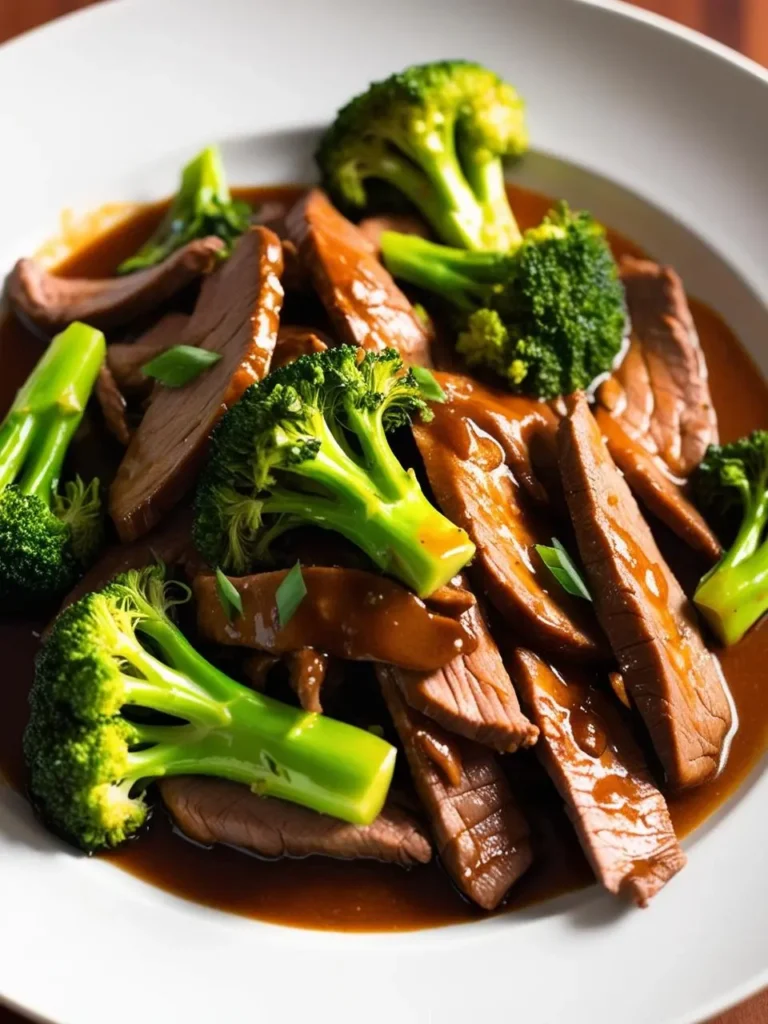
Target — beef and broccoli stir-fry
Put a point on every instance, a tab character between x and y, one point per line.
396	481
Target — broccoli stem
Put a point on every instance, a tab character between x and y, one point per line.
47	411
734	594
275	749
500	229
464	279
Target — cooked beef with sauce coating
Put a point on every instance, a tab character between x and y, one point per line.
51	302
236	316
661	495
673	680
366	306
349	613
215	811
480	833
126	359
472	695
621	818
476	489
660	392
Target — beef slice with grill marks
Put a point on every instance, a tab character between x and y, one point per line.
236	316
360	295
476	489
51	302
671	677
216	811
480	833
472	695
621	818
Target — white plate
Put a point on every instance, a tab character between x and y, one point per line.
631	116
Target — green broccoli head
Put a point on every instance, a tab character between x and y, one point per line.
120	698
49	532
731	486
548	316
437	133
308	445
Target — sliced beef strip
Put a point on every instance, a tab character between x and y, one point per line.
366	306
472	695
236	316
52	302
113	405
126	359
481	835
525	428
661	495
663	396
350	613
475	488
405	223
216	811
306	671
620	816
673	680
294	342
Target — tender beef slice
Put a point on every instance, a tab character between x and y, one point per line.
214	811
525	428
294	342
113	406
480	833
673	680
476	489
52	302
663	395
360	295
621	818
126	359
472	695
236	316
169	543
350	613
661	496
306	671
405	223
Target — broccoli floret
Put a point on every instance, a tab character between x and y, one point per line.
202	207
732	481
437	133
308	445
547	316
48	533
121	698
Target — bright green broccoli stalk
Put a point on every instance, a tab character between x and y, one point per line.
437	133
110	673
308	445
547	316
49	533
202	207
732	480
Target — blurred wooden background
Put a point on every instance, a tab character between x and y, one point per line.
742	24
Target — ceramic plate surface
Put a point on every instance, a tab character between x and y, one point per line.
664	135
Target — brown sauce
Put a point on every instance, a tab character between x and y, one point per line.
364	896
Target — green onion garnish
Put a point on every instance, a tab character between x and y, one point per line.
180	365
559	563
289	595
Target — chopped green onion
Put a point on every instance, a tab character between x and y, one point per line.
559	563
289	595
180	365
430	389
229	596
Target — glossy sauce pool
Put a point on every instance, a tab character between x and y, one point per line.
364	895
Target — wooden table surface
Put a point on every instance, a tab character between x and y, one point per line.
742	24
